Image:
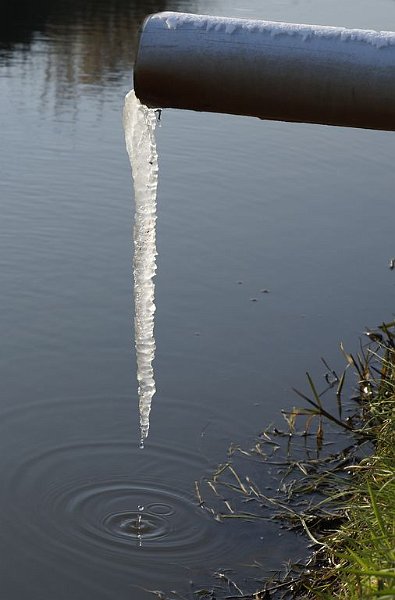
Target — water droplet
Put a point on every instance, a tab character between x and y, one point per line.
140	508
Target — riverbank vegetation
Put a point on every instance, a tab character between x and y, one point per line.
329	476
357	559
335	470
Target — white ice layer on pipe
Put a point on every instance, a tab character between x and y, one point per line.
290	31
139	125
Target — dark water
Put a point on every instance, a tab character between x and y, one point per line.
303	211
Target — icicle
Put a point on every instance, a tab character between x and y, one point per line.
139	125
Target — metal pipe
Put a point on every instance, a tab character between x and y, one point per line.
279	71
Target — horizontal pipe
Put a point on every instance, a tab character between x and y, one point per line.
279	71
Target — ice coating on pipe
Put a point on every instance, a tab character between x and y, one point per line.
139	125
230	26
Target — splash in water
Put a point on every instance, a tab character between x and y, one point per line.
139	125
140	508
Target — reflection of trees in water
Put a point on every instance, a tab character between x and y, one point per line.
86	41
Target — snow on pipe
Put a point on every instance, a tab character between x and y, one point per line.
279	71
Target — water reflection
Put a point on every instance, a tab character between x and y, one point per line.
91	42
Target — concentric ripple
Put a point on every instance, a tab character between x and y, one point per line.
76	507
147	525
73	478
103	515
135	526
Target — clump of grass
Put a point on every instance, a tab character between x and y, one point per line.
361	554
330	475
343	500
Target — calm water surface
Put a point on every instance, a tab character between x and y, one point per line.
303	211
